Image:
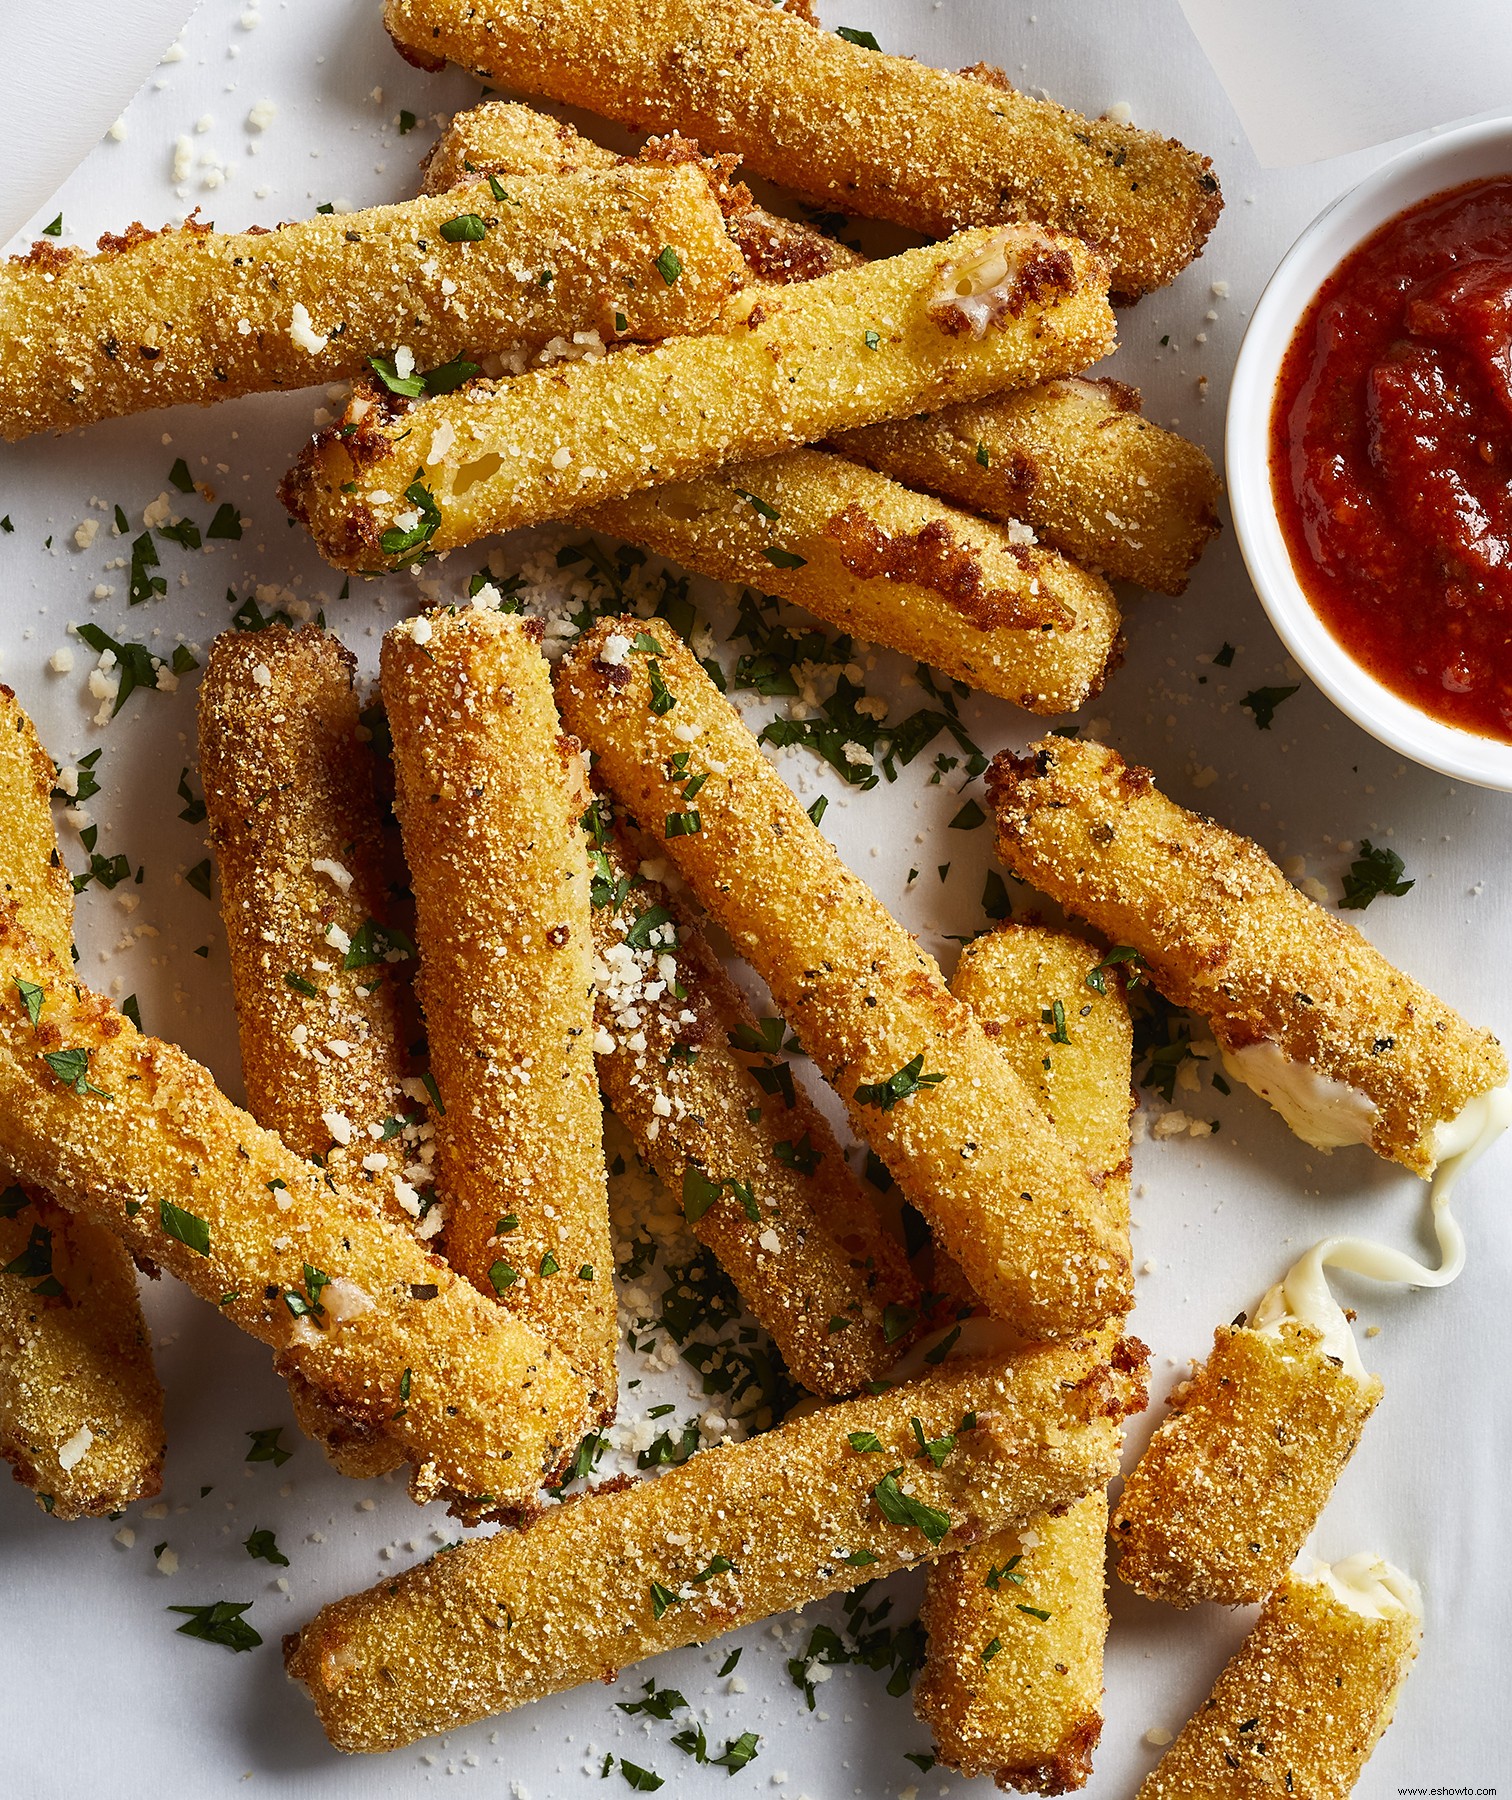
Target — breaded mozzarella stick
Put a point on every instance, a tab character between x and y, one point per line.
839	123
482	1406
320	983
733	1535
196	315
489	797
959	1132
763	1182
1306	1696
1072	458
1013	1673
949	322
1306	1011
894	567
81	1409
1235	1478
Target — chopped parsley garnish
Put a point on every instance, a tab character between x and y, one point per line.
374	943
266	1446
662	1598
1375	871
199	877
852	34
763	507
32	997
717	1565
407	122
226	523
995	901
728	1665
184	1227
645	925
503	1276
397	543
300	985
262	1546
897	1322
466	228
654	1703
683	824
72	1068
220	1623
863	1442
662	697
873	340
183	532
449	376
981	455
1262	702
404	1393
644	1781
1224	658
1120	954
821	806
802	1156
13	1202
143	585
136	663
909	1080
969	817
194	808
36	1261
549	1264
699	1193
180	477
55	229
304	1305
936	1449
86	784
783	559
899	1508
858	1559
586	1457
669	264
944	1347
443	380
996	1576
1034	1612
1055	1016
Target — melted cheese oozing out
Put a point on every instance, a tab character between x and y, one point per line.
1370	1586
979	289
1325	1113
1304	1293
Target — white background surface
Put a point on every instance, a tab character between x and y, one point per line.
97	1693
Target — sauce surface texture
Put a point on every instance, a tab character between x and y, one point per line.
1391	455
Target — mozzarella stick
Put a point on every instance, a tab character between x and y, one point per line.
839	123
957	1129
482	1406
81	1409
1013	1674
700	1087
501	137
196	315
1073	459
1306	1011
897	568
305	898
733	1535
489	798
1306	1696
987	310
1234	1480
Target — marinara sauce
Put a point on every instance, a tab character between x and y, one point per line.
1391	455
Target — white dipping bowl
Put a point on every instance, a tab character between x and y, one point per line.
1469	153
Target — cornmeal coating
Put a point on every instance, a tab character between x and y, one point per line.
1006	1691
733	1535
489	797
1235	1478
81	1408
951	322
1075	460
682	1068
1300	1706
305	896
895	567
957	1129
139	1134
840	124
1225	933
196	315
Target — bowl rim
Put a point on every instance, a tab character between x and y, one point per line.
1414	174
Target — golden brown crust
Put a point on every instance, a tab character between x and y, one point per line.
194	315
890	566
791	365
816	1266
732	1536
841	125
1071	458
1225	933
489	798
1233	1481
1009	1197
153	1151
1299	1708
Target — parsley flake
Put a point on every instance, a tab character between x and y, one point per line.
863	40
72	1068
262	1546
184	1227
669	265
909	1080
1375	871
1262	702
266	1446
466	228
220	1623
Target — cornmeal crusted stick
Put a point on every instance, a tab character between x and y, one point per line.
1231	1484
840	124
988	310
1307	1012
504	138
1306	1696
895	567
1072	458
159	318
306	902
733	1535
489	798
697	1082
81	1410
481	1405
957	1129
1013	1674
